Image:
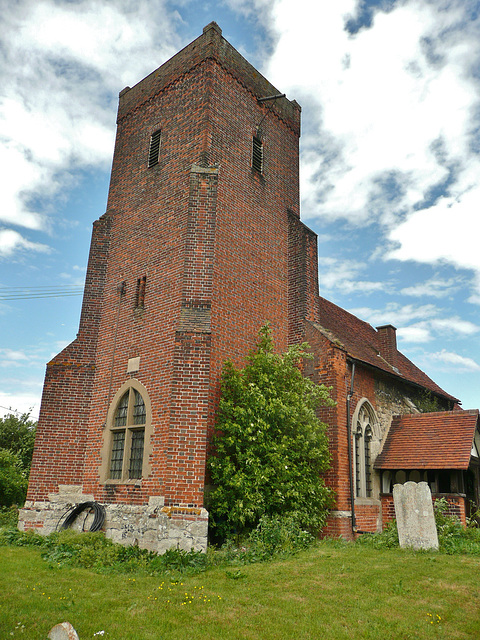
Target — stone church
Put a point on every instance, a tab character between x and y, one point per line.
200	245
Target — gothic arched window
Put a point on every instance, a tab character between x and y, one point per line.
363	433
128	434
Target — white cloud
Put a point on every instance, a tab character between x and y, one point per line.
28	402
344	275
396	314
12	242
455	361
417	323
435	288
454	325
443	232
9	356
397	112
62	65
414	333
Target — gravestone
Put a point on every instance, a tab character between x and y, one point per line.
414	514
63	631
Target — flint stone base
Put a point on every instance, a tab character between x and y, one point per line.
415	517
153	526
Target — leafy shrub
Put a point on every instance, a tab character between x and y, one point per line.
95	551
184	561
13	479
11	536
278	535
453	537
17	437
17	434
9	516
274	537
270	450
386	539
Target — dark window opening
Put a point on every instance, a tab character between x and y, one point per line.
368	464
140	294
154	149
444	482
257	155
358	473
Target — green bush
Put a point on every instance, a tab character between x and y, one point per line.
453	537
95	551
270	449
13	479
9	516
279	535
274	537
11	536
17	437
386	539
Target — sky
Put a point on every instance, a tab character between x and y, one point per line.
390	159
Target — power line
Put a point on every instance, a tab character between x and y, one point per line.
30	293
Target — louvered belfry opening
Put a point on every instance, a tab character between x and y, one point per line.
140	292
257	154
154	149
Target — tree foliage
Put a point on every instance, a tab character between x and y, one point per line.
270	449
17	437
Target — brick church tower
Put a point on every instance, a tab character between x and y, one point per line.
200	245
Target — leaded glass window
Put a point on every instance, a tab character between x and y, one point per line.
368	465
128	437
136	454
363	436
121	412
118	447
358	460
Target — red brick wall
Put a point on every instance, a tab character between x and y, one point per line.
388	509
61	433
456	507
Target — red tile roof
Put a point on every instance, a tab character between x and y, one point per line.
429	441
362	342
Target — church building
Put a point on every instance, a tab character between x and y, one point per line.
201	244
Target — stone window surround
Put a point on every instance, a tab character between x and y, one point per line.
363	406
104	470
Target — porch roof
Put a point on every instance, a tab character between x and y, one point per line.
440	440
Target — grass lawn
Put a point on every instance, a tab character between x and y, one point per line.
329	592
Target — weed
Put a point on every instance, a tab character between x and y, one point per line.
386	539
9	516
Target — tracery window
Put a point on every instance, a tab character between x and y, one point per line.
127	439
363	435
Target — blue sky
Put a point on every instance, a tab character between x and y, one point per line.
390	159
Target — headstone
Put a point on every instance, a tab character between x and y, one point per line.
414	514
63	631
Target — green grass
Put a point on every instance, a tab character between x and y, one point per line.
332	591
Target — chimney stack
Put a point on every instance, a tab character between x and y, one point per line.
387	343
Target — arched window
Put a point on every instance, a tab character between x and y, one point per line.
363	432
126	449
